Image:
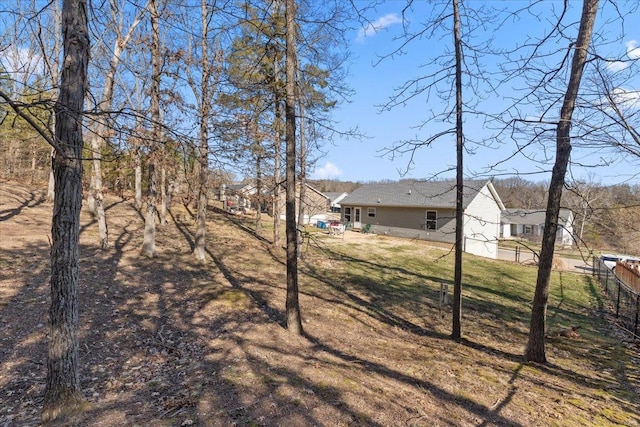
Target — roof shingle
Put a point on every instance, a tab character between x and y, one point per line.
432	194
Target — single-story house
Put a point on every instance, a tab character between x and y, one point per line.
237	196
316	204
426	210
244	197
334	200
529	224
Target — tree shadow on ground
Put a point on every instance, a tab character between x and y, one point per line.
24	200
168	340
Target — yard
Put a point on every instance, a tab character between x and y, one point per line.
171	342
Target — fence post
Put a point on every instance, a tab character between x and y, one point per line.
517	253
606	281
635	328
618	299
444	294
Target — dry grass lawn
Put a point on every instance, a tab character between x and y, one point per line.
171	342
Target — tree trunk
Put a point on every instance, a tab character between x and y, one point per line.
62	393
96	191
163	190
51	186
138	177
201	230
258	192
33	164
95	201
535	351
277	153
55	74
91	201
149	242
294	321
456	332
302	181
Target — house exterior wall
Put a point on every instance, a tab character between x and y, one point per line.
564	234
315	205
482	225
407	222
481	222
567	231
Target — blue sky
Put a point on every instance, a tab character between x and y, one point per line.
362	159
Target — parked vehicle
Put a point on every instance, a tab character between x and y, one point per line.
610	260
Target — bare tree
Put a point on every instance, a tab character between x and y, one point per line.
209	70
302	176
50	42
294	319
535	350
456	332
62	393
137	140
444	75
101	128
149	242
277	154
30	66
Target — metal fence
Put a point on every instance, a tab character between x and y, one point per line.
625	302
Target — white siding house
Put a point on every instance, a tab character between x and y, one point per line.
482	223
426	210
335	199
529	224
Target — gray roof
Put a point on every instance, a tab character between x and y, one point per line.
333	195
429	194
241	188
530	216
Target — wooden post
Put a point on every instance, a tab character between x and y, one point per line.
635	327
444	293
618	299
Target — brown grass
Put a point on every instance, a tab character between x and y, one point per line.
171	342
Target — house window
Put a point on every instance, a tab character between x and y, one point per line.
371	212
347	214
431	220
528	230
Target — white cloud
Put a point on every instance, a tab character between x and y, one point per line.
328	171
633	51
614	66
379	24
626	98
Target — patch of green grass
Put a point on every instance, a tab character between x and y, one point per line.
233	296
610	415
395	282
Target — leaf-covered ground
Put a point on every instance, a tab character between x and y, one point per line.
171	342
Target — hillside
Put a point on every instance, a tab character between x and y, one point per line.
170	342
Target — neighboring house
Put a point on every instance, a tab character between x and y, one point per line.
244	197
316	204
529	224
238	196
426	210
334	201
